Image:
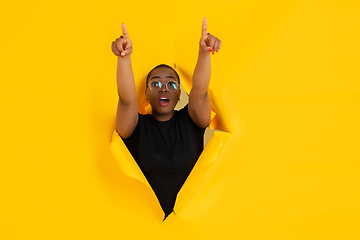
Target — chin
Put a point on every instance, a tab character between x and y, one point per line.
164	110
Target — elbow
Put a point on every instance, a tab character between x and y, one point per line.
198	93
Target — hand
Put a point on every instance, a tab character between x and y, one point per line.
208	42
122	46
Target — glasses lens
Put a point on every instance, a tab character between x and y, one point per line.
171	86
155	85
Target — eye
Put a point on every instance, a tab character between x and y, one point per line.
172	85
155	84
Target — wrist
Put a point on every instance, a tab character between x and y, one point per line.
203	53
124	58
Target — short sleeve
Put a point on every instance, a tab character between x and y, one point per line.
134	137
184	113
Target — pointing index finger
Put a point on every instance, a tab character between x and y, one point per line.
204	28
124	31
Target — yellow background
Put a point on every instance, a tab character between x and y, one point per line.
286	84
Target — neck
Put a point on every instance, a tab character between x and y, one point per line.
162	117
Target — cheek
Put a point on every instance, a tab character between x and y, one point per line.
148	93
151	96
176	97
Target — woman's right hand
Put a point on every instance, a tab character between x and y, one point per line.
122	46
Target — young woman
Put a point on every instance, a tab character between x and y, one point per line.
166	143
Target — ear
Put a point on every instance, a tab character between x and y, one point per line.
146	98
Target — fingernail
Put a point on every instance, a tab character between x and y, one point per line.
121	56
210	49
213	53
217	50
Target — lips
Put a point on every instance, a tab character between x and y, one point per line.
163	101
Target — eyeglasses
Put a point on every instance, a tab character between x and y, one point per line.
171	86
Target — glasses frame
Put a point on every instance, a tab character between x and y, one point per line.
161	83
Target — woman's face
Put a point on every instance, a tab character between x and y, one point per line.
163	101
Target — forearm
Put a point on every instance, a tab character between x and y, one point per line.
201	76
125	81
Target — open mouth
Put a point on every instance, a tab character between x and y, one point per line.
163	101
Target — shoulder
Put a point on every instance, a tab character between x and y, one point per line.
183	115
184	112
143	120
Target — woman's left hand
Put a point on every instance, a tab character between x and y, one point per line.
208	42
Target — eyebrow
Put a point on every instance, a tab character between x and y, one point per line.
166	77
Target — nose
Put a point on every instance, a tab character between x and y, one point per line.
163	88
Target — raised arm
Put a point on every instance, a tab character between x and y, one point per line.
199	103
127	110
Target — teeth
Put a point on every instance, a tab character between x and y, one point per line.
163	98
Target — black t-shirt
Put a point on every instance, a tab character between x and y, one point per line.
166	152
